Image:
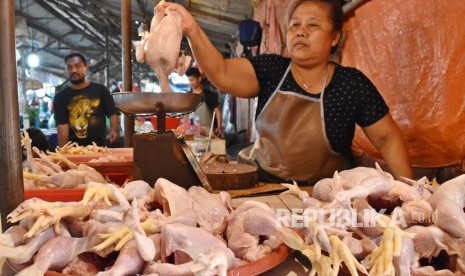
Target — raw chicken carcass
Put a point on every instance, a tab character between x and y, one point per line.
129	261
183	64
173	198
12	236
46	214
176	204
209	255
211	212
161	48
80	266
407	258
56	253
326	188
243	239
23	253
448	202
70	179
431	240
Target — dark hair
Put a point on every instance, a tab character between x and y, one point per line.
72	55
194	72
39	140
335	12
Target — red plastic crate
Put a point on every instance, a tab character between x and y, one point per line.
64	195
117	172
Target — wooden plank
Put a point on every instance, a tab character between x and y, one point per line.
271	200
262	188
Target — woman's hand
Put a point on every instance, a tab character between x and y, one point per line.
189	25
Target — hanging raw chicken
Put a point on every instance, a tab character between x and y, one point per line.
160	47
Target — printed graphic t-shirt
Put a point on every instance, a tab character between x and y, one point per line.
85	110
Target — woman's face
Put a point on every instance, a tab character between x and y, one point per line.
310	34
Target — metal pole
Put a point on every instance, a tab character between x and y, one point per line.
127	66
11	174
107	58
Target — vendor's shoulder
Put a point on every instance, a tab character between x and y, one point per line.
271	58
349	70
270	64
357	80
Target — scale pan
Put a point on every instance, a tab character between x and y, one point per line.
146	102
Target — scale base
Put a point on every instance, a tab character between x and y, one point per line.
162	155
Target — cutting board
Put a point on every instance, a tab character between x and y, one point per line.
230	176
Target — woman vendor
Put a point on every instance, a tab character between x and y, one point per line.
308	106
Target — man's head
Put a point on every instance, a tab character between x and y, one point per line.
193	74
76	68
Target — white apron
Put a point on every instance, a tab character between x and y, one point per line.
292	143
204	114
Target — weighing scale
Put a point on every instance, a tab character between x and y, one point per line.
159	153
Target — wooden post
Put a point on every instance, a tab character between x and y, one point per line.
127	66
11	174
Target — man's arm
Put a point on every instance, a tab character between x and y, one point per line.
62	134
219	120
114	128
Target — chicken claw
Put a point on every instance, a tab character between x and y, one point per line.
123	235
132	229
98	191
294	189
32	207
145	245
341	253
380	260
321	264
120	238
53	216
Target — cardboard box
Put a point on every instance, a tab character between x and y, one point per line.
218	146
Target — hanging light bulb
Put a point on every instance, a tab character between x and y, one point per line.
33	60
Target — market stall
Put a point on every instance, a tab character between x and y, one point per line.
156	210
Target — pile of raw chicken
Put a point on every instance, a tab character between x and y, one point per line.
167	230
53	170
74	148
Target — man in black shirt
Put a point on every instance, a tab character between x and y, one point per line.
210	102
81	109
